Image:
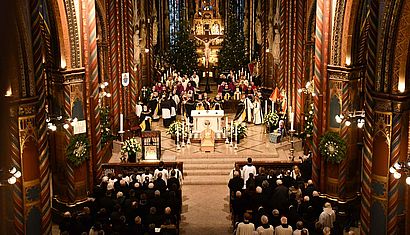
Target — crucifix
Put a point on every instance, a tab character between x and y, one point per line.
207	49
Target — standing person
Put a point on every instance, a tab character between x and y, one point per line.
161	169
284	228
265	228
328	216
249	108
257	111
145	119
247	169
240	111
195	77
245	227
166	111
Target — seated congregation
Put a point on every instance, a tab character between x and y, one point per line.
279	201
147	203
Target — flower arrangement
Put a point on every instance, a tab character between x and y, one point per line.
172	129
78	150
242	131
131	146
332	147
271	119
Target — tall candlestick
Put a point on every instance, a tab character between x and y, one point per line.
183	134
266	107
226	123
236	136
273	106
121	123
231	130
236	133
291	118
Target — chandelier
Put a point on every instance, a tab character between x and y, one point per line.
350	117
10	176
308	89
400	168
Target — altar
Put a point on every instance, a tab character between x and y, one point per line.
200	117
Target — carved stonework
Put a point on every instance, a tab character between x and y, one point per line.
401	47
383	123
337	32
73	32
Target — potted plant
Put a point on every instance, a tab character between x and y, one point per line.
271	120
131	147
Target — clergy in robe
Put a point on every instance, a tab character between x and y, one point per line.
145	119
257	111
207	102
189	106
173	109
166	112
240	111
153	105
138	108
249	108
195	77
226	92
217	103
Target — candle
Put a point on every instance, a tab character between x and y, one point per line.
248	77
226	123
273	106
121	122
236	133
236	76
231	130
183	128
239	71
177	134
266	107
242	69
291	118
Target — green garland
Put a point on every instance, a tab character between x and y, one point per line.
309	122
78	150
332	147
106	132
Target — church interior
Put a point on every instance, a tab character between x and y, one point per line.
205	117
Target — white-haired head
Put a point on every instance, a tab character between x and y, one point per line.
120	194
284	220
306	198
310	182
279	182
151	185
258	189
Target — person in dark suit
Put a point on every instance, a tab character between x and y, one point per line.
173	180
280	196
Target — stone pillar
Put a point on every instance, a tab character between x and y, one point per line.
343	180
389	146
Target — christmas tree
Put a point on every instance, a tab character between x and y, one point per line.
233	54
183	57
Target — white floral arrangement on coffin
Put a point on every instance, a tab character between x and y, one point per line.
131	146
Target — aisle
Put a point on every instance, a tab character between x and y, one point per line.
205	210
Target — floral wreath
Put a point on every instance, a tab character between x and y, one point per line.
332	147
131	146
78	150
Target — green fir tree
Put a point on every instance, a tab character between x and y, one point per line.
233	54
183	57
